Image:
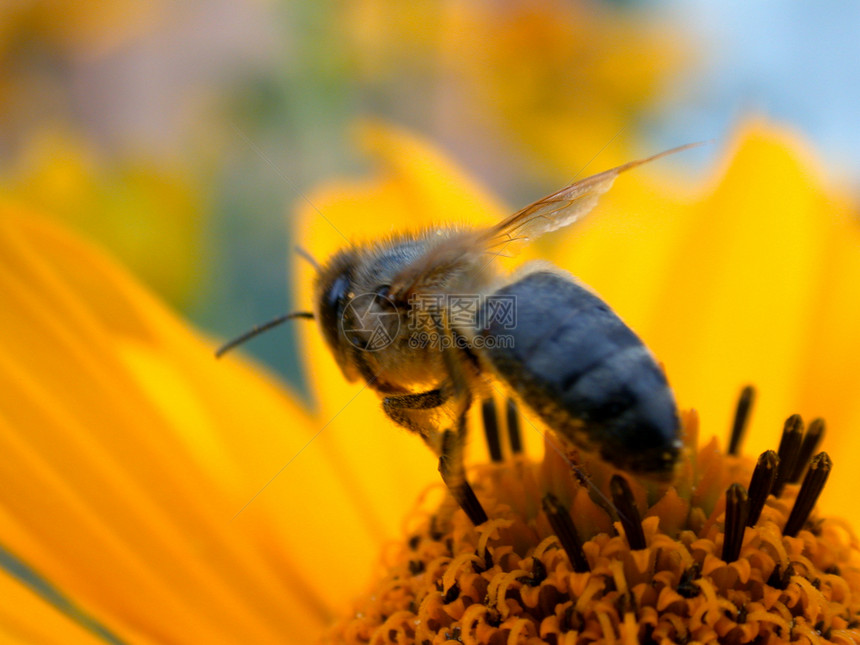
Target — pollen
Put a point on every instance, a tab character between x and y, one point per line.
732	552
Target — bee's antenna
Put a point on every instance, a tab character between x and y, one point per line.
307	256
259	329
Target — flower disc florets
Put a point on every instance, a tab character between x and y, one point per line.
715	557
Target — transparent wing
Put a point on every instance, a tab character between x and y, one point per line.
548	214
562	207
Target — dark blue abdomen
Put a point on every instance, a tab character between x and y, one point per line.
584	372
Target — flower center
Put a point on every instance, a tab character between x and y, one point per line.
563	560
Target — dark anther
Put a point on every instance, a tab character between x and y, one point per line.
571	620
463	493
648	635
414	541
452	594
761	484
810	489
737	509
780	578
514	428
686	585
488	559
742	417
416	567
538	574
789	448
811	441
491	429
624	603
627	512
435	533
562	524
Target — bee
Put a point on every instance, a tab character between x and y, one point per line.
390	312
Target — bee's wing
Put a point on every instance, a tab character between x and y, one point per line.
562	207
548	214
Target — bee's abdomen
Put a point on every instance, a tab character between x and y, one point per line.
577	365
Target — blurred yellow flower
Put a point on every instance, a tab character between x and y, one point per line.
557	79
150	494
562	77
139	209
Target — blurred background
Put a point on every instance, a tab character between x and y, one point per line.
181	134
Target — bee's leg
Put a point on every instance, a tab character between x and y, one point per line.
454	440
456	480
491	429
415	412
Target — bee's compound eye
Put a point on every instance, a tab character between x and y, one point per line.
332	302
336	293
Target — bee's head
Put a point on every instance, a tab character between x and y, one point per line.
358	316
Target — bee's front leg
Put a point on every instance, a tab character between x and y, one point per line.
416	413
413	411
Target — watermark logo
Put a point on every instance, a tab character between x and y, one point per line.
463	311
370	322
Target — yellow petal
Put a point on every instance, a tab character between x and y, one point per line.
129	450
27	617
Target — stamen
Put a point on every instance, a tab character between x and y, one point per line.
761	484
627	512
789	448
538	574
742	417
780	578
813	484
811	440
687	586
514	428
562	524
491	429
737	509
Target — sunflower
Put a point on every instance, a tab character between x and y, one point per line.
153	495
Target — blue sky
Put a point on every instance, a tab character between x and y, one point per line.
798	63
